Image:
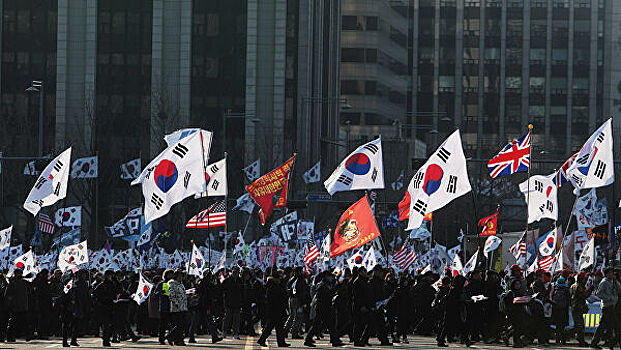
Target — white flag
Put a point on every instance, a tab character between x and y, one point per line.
68	217
594	166
30	169
587	257
5	237
540	195
51	185
178	135
355	260
143	291
471	264
369	260
220	264
443	178
491	244
174	175
398	184
253	171
239	243
325	248
68	286
26	263
313	174
216	180
533	267
83	168
197	263
457	265
131	169
557	264
548	244
363	169
73	255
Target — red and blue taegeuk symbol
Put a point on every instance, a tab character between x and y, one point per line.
550	242
20	265
358	259
358	164
66	216
199	263
145	290
85	167
433	179
165	175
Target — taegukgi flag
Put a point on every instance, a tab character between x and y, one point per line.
363	169
51	185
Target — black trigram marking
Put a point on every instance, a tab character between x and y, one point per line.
577	179
157	201
371	147
541	208
451	187
584	159
186	179
418	179
180	150
214	168
374	174
58	165
149	171
420	207
600	169
346	180
40	182
443	154
538	186
215	185
57	189
38	202
549	206
600	137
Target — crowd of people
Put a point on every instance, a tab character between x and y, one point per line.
352	306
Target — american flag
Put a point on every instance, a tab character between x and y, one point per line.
519	248
310	254
404	257
45	223
213	216
546	262
513	158
560	177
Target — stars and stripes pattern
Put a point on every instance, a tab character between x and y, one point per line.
45	223
513	158
214	216
311	254
519	248
546	262
404	257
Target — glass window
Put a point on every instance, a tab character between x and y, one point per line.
537	82
492	53
581	83
582	26
558	83
513	82
558	110
537	54
349	22
559	54
446	81
371	23
514	54
118	23
536	111
352	55
213	24
23	21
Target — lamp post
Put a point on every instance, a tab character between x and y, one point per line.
36	87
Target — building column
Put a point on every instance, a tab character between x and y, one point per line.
612	69
459	61
481	79
251	79
503	74
570	79
525	63
593	68
548	83
436	64
278	104
414	95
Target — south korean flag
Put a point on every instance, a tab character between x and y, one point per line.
72	256
216	180
196	265
51	185
68	217
594	166
175	174
83	168
363	169
131	169
27	263
540	196
143	291
443	178
253	171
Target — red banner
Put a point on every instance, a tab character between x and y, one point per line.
356	227
489	224
263	189
404	209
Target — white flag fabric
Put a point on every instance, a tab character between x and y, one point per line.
369	260
541	197
594	166
51	185
83	168
443	178
325	248
239	243
471	264
143	291
26	263
587	257
533	267
5	237
221	263
253	171
178	135
174	174
68	286
548	244
72	256
313	174
491	243
457	265
131	169
197	263
216	180
30	169
557	264
363	169
68	217
398	184
355	260
245	203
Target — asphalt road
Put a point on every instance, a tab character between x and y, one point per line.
246	343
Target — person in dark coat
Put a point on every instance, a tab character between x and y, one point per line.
74	306
206	293
42	296
361	304
277	298
492	316
401	300
423	296
104	295
453	321
474	310
323	314
4	309
16	299
560	309
232	287
161	291
377	293
579	293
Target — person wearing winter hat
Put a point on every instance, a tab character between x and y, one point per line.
560	309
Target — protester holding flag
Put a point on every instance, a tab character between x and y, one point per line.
178	308
276	294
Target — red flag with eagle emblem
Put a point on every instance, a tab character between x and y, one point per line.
355	228
489	225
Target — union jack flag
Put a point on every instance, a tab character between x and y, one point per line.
560	177
513	158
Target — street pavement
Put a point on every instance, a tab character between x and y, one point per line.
247	343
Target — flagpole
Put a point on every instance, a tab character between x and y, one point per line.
530	163
226	196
